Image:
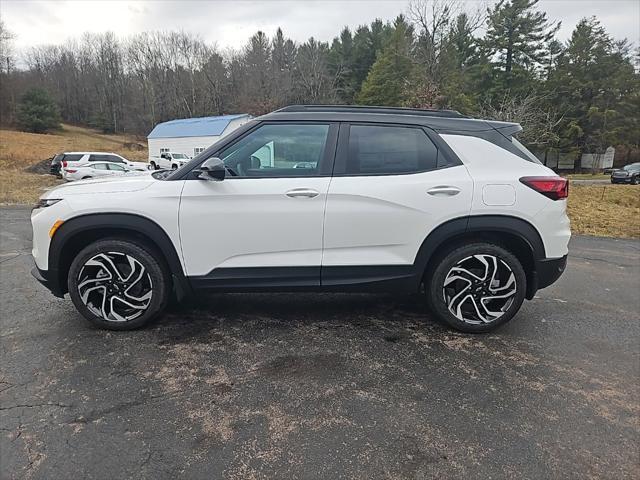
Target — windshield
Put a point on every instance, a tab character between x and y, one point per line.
633	166
179	156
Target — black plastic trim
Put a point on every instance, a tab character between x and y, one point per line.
368	278
549	270
43	277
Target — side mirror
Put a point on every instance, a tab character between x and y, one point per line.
211	169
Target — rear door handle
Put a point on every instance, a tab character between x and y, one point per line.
444	190
302	192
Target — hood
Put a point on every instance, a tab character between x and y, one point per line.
126	183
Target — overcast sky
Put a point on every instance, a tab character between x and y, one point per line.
230	23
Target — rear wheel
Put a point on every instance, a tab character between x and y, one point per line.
86	178
174	167
154	166
477	287
118	284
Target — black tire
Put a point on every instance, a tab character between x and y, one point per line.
461	258
86	178
174	167
153	165
153	282
634	181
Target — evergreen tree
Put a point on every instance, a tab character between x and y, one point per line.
37	112
597	90
386	83
518	35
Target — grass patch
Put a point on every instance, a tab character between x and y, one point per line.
587	176
605	210
21	150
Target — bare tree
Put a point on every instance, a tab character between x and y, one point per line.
7	59
538	122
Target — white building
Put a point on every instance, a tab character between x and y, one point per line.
192	135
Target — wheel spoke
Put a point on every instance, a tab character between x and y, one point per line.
459	273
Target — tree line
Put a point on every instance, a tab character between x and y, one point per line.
503	62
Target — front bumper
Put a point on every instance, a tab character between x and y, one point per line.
49	280
546	272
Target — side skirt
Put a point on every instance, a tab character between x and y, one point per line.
375	278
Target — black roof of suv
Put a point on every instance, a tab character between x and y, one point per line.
440	120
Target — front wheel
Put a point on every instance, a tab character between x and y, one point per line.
476	288
118	284
634	181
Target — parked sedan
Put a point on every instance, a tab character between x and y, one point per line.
92	170
627	174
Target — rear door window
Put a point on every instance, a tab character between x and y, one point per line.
389	150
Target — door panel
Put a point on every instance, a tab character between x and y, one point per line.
373	218
383	220
251	223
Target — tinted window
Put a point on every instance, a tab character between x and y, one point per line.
114	159
379	150
118	168
100	166
278	151
73	158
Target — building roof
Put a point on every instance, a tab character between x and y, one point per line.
194	127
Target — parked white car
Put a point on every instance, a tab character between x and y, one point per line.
82	158
93	170
168	161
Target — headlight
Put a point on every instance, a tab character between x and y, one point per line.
46	202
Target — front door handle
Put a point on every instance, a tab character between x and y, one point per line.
444	190
302	192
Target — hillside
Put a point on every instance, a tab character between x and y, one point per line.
20	150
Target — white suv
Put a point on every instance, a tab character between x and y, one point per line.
317	198
74	159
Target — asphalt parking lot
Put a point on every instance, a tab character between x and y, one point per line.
324	386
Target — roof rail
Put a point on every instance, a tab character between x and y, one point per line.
373	109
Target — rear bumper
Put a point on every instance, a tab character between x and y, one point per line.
48	280
546	272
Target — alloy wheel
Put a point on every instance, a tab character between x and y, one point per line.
115	286
479	289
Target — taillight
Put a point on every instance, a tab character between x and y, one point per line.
555	188
64	163
68	170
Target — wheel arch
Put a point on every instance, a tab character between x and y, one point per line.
76	233
513	233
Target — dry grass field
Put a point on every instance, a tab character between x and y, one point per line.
604	210
20	150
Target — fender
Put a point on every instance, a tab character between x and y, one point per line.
115	221
479	223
